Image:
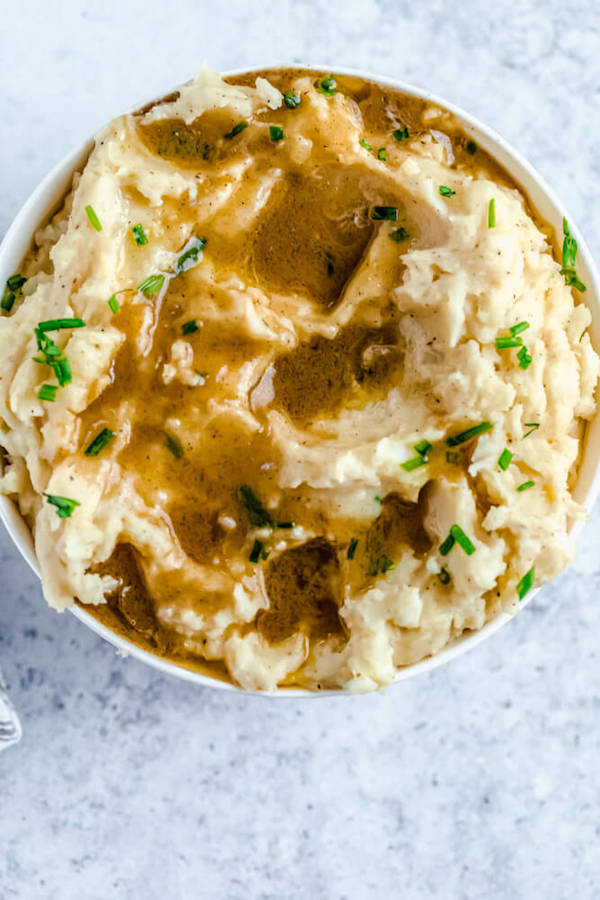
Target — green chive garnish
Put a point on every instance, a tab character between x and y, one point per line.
472	432
48	392
62	370
382	154
64	505
533	426
364	143
151	285
492	213
446	191
257	549
569	254
58	324
505	343
94	220
444	575
291	99
401	134
284	524
411	464
352	548
276	132
377	499
471	147
139	235
447	545
399	234
173	446
259	516
380	565
504	459
526	485
518	328
524	358
99	443
189	327
190	257
423	448
328	86
13	287
114	304
457	536
384	213
526	583
235	130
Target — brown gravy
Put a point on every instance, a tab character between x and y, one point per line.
313	233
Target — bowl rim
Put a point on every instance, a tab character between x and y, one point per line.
46	197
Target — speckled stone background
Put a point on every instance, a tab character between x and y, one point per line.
480	780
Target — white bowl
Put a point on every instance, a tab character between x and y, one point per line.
47	197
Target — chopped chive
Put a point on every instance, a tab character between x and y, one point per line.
518	328
505	343
62	370
472	432
569	254
235	130
48	392
447	545
291	99
364	143
533	426
377	499
58	324
384	213
380	565
352	548
446	191
526	583
452	457
189	327
139	235
151	285
259	516
276	132
462	540
524	358
504	459
190	256
8	299
99	443
423	447
411	464
525	486
284	524
444	575
471	147
401	134
257	549
64	505
114	304
399	234
328	86
173	446
15	282
382	154
492	213
94	220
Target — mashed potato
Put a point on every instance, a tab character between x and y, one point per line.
294	386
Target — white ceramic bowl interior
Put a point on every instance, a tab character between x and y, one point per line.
48	195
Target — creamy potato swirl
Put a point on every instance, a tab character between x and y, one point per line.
315	383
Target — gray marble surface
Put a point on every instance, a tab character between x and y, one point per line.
479	780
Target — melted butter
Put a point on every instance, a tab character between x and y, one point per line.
311	238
